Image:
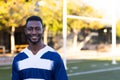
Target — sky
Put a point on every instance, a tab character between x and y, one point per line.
108	7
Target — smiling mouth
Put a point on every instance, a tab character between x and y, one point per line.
34	38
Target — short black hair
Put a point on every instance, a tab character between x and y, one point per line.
34	18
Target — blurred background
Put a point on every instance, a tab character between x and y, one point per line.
84	32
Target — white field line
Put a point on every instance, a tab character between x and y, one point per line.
74	62
5	67
94	71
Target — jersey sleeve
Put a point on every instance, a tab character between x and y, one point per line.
59	70
15	74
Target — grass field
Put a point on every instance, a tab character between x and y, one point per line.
5	72
93	70
81	70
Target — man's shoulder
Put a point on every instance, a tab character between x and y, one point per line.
51	54
51	51
20	56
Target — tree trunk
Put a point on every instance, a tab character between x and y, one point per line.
12	40
75	41
75	38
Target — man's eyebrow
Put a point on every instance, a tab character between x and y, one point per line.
35	26
29	26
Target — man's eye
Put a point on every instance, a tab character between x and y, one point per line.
37	28
30	29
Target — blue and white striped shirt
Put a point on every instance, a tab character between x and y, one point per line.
45	65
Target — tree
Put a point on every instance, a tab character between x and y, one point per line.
13	14
118	28
79	8
51	12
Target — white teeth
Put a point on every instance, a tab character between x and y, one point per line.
34	36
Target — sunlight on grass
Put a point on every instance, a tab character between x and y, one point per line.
93	69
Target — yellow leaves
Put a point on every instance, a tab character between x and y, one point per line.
13	12
118	28
77	24
96	25
3	8
14	25
80	9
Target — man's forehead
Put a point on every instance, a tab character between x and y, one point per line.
38	23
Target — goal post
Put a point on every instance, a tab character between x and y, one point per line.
112	22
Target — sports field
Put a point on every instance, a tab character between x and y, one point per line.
81	70
93	70
5	72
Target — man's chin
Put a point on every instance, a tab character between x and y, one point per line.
34	42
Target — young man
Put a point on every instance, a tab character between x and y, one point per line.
37	61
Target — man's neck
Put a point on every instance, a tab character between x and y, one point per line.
36	47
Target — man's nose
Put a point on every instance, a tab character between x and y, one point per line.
33	31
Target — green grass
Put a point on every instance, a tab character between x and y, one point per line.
76	69
5	72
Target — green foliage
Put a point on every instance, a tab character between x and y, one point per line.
118	28
95	25
51	13
79	8
13	13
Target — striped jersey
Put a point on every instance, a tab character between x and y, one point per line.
45	65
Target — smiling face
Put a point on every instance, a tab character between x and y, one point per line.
33	31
